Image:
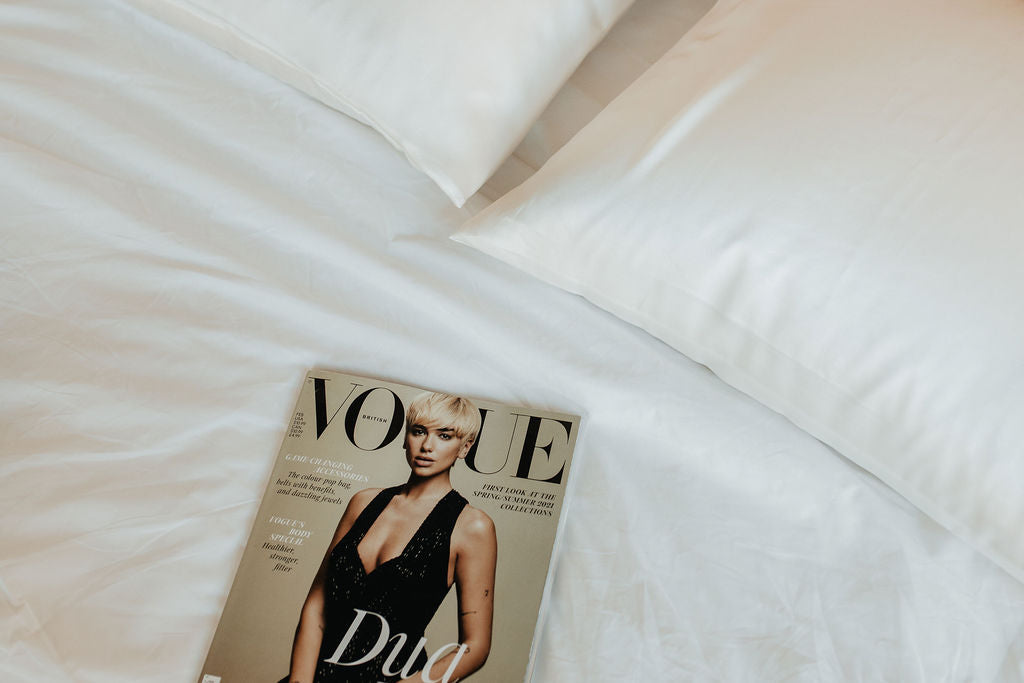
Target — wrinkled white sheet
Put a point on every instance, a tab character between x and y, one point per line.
183	237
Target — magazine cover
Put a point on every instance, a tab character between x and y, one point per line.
404	535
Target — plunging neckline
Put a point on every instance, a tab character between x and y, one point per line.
408	544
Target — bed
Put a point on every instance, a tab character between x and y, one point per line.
185	235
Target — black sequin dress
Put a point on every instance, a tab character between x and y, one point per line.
405	590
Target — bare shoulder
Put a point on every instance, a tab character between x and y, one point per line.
474	526
355	507
362	498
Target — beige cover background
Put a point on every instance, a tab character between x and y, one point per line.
254	637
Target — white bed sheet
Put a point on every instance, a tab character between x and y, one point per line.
183	237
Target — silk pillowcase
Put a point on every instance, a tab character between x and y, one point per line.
454	84
821	201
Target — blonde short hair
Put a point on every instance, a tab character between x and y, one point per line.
444	410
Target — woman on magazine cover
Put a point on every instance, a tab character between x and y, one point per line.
396	553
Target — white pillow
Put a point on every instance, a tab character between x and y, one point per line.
823	201
454	84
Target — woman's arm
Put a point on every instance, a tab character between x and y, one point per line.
310	631
476	547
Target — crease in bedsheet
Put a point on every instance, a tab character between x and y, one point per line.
182	141
706	532
25	640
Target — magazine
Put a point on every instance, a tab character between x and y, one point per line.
404	535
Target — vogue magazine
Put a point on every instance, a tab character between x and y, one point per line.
405	534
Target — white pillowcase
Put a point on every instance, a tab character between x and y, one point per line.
454	84
822	201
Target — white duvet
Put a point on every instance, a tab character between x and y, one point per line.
183	237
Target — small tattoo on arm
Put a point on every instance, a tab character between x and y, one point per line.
487	591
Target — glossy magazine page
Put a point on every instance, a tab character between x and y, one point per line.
404	535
